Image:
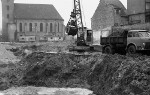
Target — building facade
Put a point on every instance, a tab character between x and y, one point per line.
7	17
31	22
108	13
138	11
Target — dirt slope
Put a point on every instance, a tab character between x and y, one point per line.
5	55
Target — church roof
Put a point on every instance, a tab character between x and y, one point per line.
36	11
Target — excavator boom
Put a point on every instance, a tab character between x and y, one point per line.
75	22
75	25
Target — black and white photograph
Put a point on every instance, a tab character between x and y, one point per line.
74	47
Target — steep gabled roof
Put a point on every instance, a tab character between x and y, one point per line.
36	11
115	3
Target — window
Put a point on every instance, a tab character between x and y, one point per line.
8	16
30	26
117	10
55	27
20	26
41	27
130	34
147	7
147	18
144	34
135	34
51	27
7	7
58	27
62	26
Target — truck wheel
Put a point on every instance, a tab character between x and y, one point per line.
108	50
131	49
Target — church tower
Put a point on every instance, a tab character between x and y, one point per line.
7	17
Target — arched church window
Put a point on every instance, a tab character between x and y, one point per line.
58	27
51	27
30	26
41	26
20	26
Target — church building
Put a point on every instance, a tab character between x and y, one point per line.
31	22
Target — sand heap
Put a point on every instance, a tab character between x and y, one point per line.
6	55
46	91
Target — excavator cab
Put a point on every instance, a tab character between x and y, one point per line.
89	37
85	37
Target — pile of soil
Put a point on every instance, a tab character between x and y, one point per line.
48	70
103	74
6	55
121	75
60	46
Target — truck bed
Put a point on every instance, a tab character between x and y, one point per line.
113	40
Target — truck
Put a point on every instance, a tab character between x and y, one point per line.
118	40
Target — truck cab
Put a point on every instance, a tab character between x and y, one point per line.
138	40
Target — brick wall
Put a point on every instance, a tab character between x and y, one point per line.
137	26
7	15
135	6
105	16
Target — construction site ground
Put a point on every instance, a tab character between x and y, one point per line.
49	69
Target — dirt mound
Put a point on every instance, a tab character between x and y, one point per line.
48	70
60	46
5	55
103	74
121	75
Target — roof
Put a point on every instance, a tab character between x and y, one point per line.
36	11
117	4
114	3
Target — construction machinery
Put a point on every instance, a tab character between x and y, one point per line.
75	27
118	40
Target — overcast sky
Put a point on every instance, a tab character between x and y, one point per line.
64	7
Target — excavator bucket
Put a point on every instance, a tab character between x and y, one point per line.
72	31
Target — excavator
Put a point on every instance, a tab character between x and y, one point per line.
75	27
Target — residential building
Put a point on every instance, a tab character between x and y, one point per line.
31	22
109	13
138	14
138	11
